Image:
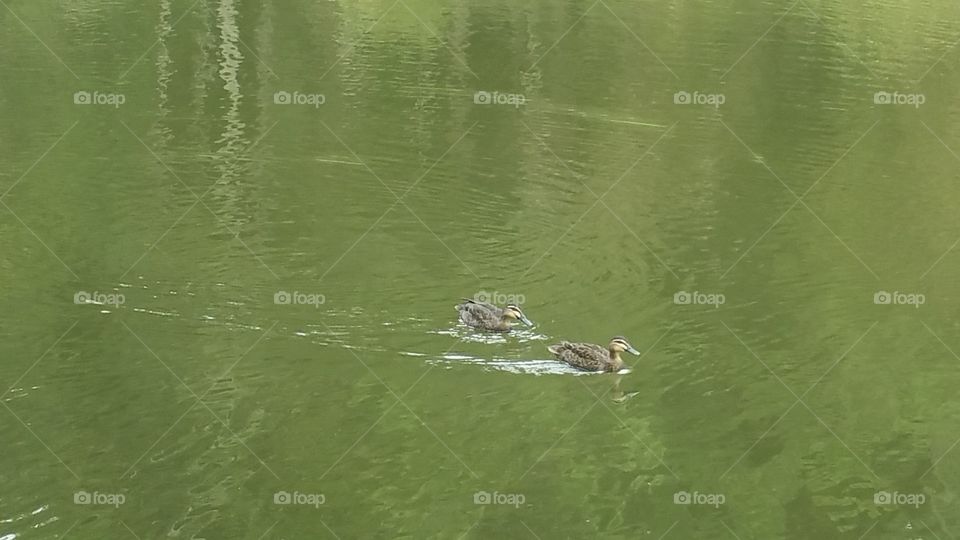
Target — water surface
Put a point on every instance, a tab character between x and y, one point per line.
345	154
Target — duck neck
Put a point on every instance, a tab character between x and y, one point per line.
615	358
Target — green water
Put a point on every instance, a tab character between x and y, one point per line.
587	190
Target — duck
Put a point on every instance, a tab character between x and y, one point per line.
590	357
486	316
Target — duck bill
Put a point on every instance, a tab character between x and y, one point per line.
526	321
633	351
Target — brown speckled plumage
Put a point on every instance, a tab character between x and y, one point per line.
486	316
590	357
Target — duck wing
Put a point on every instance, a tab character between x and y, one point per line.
586	356
479	314
478	304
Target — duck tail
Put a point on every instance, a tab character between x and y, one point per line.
463	305
554	349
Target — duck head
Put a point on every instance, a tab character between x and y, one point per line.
513	313
620	344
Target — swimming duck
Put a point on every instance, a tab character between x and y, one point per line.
489	317
590	357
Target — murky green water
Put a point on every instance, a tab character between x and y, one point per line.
719	182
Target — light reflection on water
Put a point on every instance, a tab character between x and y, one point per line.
522	367
464	333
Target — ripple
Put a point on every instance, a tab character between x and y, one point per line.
465	333
519	367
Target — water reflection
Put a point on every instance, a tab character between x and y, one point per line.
164	67
232	140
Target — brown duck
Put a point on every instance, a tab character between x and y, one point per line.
590	357
487	316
